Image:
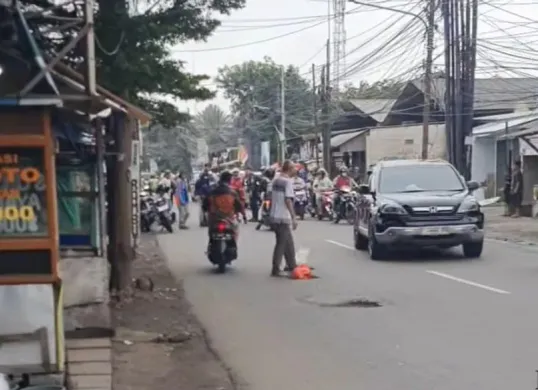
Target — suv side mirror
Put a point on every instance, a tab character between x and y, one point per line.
472	186
364	189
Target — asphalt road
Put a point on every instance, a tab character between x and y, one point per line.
445	322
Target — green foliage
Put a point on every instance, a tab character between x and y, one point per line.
254	90
133	47
171	148
215	126
384	89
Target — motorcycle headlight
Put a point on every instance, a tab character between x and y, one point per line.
469	205
392	208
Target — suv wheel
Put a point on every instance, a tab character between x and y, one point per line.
375	250
361	242
473	249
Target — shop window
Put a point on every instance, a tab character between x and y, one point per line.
23	193
77	206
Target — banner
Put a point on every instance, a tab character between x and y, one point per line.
134	171
243	154
265	153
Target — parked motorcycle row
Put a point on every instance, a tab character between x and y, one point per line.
156	209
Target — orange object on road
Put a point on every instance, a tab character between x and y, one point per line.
302	272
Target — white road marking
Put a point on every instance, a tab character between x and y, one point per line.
340	244
468	282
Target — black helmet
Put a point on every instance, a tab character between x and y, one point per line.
269	173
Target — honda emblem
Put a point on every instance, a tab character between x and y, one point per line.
433	210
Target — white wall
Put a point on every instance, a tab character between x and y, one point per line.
24	310
483	161
395	141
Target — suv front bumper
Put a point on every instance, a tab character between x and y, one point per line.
445	235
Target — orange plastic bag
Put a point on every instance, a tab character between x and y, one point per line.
302	272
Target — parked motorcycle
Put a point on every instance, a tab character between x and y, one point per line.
327	205
147	211
301	202
347	205
265	215
222	248
165	216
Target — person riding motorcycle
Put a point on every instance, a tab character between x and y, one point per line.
322	183
237	184
339	182
268	176
223	204
203	187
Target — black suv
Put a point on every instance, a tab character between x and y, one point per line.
412	203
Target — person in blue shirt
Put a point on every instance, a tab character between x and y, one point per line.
202	188
182	194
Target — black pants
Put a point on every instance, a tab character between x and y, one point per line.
255	207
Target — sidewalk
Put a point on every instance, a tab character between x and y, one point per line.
522	230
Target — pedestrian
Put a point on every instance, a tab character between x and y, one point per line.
516	193
506	192
182	194
283	220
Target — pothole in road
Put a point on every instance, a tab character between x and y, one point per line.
360	303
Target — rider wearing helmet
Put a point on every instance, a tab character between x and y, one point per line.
322	183
339	182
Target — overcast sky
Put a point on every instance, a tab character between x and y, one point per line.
295	31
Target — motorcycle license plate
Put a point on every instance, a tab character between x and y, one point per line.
221	236
162	208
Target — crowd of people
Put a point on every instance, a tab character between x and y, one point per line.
227	194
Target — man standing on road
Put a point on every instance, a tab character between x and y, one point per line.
516	194
182	194
283	221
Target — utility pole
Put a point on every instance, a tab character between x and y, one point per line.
315	108
325	100
428	77
283	146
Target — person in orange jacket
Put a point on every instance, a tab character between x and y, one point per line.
238	185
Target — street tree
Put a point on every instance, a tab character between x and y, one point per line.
134	40
254	89
383	89
215	126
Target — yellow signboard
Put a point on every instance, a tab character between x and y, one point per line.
22	192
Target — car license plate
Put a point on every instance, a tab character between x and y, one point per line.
162	208
435	231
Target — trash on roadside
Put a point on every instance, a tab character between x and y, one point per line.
302	272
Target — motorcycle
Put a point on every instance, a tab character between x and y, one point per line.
265	214
300	203
347	206
222	249
327	203
147	212
165	216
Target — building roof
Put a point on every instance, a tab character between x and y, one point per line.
493	93
340	139
503	125
377	109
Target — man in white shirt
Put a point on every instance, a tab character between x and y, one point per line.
283	220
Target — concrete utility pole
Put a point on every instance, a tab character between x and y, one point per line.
315	108
325	96
283	144
428	78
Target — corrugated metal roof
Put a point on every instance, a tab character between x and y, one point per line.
340	139
493	93
498	126
378	109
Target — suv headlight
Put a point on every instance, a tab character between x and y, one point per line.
392	208
469	205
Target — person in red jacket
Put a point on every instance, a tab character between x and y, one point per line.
238	185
